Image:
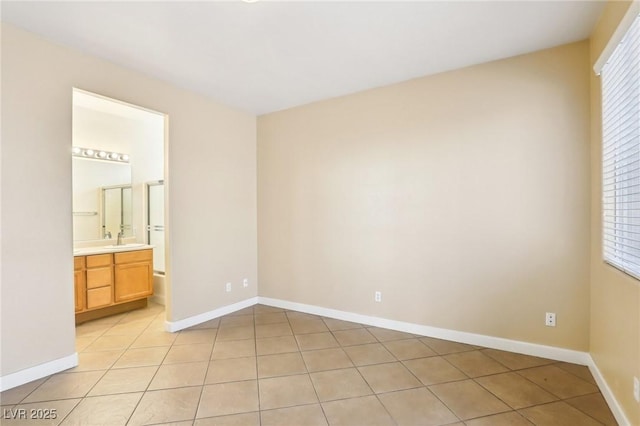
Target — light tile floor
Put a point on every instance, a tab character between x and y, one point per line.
267	366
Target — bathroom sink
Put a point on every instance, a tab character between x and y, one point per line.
122	246
108	249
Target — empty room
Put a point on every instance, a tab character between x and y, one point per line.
259	212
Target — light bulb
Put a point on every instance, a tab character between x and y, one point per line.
89	152
113	155
75	150
124	157
102	154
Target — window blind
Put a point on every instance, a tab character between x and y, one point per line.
621	153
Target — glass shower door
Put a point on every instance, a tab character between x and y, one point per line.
155	221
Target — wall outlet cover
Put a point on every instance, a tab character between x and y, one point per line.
228	287
550	319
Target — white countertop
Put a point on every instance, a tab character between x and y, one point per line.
85	251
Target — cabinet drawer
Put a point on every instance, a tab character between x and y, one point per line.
98	260
134	256
98	297
99	277
78	262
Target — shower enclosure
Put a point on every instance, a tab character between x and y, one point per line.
155	223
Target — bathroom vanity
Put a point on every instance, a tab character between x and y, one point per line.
112	279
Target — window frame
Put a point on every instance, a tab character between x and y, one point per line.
620	170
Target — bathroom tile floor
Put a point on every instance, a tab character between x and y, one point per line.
268	366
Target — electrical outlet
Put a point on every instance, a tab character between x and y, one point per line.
550	319
636	389
378	296
228	287
245	282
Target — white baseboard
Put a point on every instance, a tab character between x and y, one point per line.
543	351
615	407
560	354
37	372
173	326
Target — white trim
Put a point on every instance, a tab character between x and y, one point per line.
551	352
543	351
173	326
37	372
615	407
616	37
560	354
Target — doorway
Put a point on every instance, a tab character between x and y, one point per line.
128	148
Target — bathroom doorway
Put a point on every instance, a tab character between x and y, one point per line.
122	146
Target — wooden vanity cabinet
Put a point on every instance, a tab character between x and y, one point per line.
134	275
112	282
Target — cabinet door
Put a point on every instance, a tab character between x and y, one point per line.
133	281
79	287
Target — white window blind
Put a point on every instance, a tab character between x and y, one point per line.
621	153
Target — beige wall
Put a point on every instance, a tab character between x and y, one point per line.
615	297
462	196
211	179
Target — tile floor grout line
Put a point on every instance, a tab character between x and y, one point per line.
148	384
37	387
373	392
563	402
494	395
86	395
584	412
525	378
558	398
504	412
33	390
315	390
559	363
454	413
525	417
206	372
571	374
440	399
255	347
70	411
116	361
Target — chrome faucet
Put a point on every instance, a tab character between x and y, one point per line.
107	235
119	242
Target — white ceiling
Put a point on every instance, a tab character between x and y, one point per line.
121	109
268	56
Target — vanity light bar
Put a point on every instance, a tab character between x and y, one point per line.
99	154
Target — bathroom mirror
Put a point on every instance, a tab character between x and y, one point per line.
101	199
116	211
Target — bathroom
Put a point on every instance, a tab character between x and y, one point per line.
118	166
